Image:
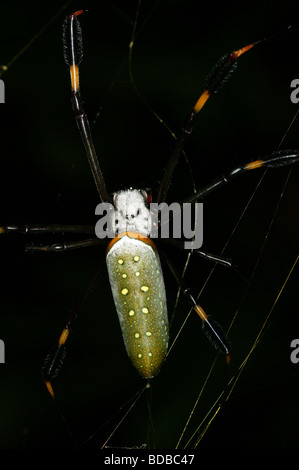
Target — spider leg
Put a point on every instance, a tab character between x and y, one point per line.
35	229
64	246
54	360
218	76
53	228
211	328
222	260
73	54
275	160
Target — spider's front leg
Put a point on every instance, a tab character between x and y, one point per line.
214	81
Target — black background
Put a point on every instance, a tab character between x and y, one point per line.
45	179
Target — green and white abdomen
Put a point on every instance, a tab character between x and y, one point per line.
138	290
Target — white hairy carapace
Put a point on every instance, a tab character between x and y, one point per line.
132	212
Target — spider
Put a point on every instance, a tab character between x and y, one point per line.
132	258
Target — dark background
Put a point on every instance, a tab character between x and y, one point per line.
45	178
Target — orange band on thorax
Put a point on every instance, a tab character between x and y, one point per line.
136	235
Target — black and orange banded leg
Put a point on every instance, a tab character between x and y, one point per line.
275	160
211	328
55	358
214	81
73	54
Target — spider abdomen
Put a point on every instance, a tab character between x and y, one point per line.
138	290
